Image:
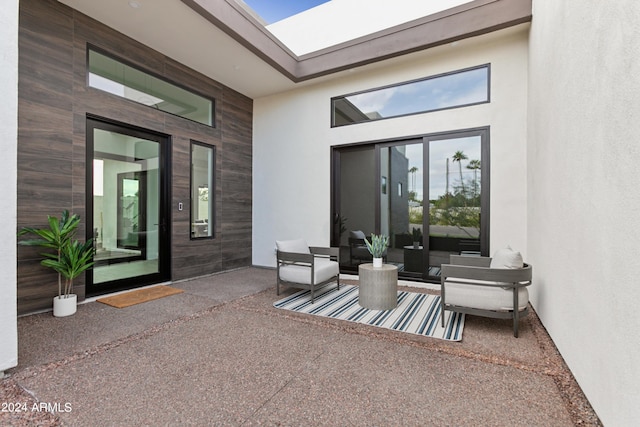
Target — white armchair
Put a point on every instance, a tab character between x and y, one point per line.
487	287
302	266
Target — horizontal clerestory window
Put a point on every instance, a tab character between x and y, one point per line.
113	76
459	88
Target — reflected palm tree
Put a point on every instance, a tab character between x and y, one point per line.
474	165
459	156
413	171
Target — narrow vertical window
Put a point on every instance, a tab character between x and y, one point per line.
202	190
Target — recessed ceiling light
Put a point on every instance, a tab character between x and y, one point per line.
134	4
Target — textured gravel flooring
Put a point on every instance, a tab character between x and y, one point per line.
220	354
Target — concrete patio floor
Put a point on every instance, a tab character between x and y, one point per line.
220	354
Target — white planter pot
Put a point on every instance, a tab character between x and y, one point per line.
65	306
377	262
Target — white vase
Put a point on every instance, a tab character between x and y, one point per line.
65	306
377	262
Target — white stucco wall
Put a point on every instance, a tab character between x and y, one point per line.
292	140
8	165
583	194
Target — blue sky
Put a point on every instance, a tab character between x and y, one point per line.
276	10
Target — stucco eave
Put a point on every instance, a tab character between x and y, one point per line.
468	20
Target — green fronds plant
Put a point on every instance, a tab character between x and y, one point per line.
69	258
377	245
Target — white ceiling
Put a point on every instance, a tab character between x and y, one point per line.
175	30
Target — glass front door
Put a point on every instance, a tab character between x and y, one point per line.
128	207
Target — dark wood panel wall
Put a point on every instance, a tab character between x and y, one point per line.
54	102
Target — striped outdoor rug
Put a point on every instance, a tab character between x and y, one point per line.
416	313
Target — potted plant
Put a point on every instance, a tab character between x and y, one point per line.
377	247
69	258
417	237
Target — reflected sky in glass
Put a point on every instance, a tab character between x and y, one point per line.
439	151
452	90
413	153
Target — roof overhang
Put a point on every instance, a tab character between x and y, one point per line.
224	41
467	20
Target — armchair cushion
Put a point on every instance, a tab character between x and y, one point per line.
298	246
494	298
506	258
323	270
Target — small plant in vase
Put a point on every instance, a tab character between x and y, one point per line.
377	247
417	237
69	258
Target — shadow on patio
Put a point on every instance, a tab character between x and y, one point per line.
220	354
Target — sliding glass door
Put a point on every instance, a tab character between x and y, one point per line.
355	215
458	195
128	205
402	205
427	194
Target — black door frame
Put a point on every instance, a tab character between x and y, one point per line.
164	204
485	187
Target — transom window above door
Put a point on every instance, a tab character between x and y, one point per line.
116	77
459	88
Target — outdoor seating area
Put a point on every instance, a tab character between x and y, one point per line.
220	353
409	139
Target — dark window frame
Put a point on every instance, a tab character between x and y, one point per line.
137	67
484	132
165	143
408	82
212	191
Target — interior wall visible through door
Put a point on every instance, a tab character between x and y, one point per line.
128	206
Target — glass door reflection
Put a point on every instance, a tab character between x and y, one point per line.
430	195
355	219
131	220
127	208
455	194
402	206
